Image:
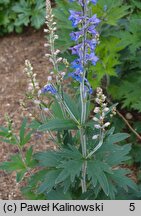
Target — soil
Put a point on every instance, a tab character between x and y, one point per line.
14	50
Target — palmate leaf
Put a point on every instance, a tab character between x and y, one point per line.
29	191
108	54
57	194
96	173
118	137
71	153
71	168
38	14
62	167
115	10
128	91
114	154
49	181
136	3
120	178
48	159
58	124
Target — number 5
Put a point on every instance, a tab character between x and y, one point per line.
132	207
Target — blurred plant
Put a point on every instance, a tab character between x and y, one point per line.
14	15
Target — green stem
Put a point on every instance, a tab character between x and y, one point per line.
83	96
98	146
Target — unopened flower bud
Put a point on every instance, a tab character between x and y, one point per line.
63	74
46	109
47	55
57	52
106	124
59	59
46	30
97	126
49	78
96	110
46	45
37	102
95	119
56	37
106	109
95	136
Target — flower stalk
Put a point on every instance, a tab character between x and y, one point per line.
85	25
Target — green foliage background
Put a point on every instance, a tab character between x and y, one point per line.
15	14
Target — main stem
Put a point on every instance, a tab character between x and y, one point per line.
83	96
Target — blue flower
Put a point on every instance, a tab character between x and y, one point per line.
48	89
76	17
76	76
76	35
77	64
92	30
85	49
92	57
94	20
76	49
92	44
94	1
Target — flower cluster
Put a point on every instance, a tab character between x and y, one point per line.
51	29
33	85
55	77
85	48
100	110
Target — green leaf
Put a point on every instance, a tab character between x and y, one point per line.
48	159
30	162
72	105
72	152
20	175
24	138
57	194
96	172
120	178
35	125
56	109
38	18
114	12
15	163
115	138
22	130
4	131
71	168
58	124
49	182
114	154
4	1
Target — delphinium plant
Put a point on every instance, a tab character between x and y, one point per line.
87	162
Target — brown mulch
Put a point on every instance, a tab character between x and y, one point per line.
14	50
